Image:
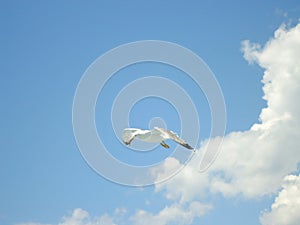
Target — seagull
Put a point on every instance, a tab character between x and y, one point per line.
157	134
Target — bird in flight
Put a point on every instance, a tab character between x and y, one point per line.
157	134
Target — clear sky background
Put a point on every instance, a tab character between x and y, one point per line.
46	46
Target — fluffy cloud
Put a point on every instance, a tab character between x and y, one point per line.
175	213
80	217
286	208
251	163
254	162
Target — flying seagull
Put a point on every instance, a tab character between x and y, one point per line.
157	134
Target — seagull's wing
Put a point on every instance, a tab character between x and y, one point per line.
171	135
129	134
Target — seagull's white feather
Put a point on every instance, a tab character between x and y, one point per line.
129	134
171	135
157	134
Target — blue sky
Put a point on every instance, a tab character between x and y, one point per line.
46	46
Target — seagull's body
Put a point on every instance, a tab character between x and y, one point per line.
156	135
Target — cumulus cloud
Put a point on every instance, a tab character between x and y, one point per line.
80	217
286	208
253	163
176	213
250	51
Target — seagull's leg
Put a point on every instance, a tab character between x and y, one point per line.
164	144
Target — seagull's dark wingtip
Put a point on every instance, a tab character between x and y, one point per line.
187	146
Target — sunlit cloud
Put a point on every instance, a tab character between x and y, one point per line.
252	163
286	208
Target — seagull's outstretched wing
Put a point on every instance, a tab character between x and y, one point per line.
129	134
171	135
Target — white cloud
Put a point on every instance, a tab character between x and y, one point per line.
176	213
251	163
286	208
254	162
104	220
186	185
250	51
80	217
